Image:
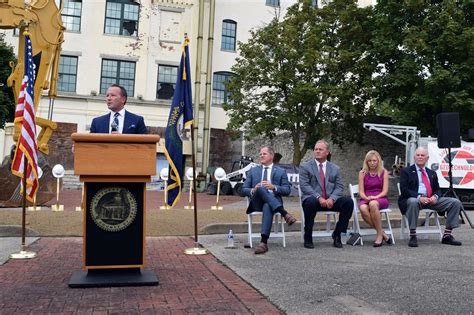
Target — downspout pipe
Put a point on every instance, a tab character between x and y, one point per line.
197	80
207	110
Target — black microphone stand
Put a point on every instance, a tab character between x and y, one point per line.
452	193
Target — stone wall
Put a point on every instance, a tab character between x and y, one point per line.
157	131
223	150
60	146
349	157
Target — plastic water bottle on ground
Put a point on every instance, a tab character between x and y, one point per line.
230	239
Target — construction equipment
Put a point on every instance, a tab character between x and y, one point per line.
42	20
234	180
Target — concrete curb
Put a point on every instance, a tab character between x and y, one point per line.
220	228
15	231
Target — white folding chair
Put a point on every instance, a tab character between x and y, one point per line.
329	214
278	227
426	229
354	190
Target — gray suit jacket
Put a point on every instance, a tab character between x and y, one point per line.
310	182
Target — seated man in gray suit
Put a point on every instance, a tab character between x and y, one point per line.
321	187
264	185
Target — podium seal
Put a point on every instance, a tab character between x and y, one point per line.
113	209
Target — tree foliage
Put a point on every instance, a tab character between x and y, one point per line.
321	71
426	55
7	101
307	74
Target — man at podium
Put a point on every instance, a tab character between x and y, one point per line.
118	120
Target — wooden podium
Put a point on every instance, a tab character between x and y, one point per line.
115	169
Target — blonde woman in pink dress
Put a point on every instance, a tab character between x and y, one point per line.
373	189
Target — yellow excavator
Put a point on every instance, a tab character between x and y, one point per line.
42	19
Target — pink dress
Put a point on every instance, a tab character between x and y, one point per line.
373	185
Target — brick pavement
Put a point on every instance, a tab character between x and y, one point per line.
188	284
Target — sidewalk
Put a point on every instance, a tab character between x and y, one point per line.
431	279
187	284
292	280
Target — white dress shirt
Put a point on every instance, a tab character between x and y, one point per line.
269	172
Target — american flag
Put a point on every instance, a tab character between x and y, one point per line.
25	115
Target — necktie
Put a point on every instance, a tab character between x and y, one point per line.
426	181
265	174
115	123
323	179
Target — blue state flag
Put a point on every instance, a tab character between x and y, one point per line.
181	116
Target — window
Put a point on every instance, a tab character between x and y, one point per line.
121	17
167	76
273	3
71	15
314	3
229	30
219	93
117	72
67	74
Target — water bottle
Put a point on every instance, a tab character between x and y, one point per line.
230	239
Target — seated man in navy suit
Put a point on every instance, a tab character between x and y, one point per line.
419	189
118	120
264	185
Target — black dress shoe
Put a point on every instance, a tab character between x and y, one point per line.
309	245
413	242
378	244
337	240
450	241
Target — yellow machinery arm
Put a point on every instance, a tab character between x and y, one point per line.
42	18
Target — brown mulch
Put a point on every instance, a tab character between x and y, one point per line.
176	221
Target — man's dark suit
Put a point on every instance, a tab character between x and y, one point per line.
132	124
409	185
410	206
263	200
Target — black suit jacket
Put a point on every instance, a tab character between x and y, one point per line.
132	124
409	185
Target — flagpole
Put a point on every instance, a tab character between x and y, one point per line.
197	249
23	254
23	210
21	157
196	243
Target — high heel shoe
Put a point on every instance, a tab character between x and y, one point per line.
378	244
389	240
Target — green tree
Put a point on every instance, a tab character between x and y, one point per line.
7	101
308	75
426	54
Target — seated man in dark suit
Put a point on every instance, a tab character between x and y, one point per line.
264	185
419	189
118	120
321	187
